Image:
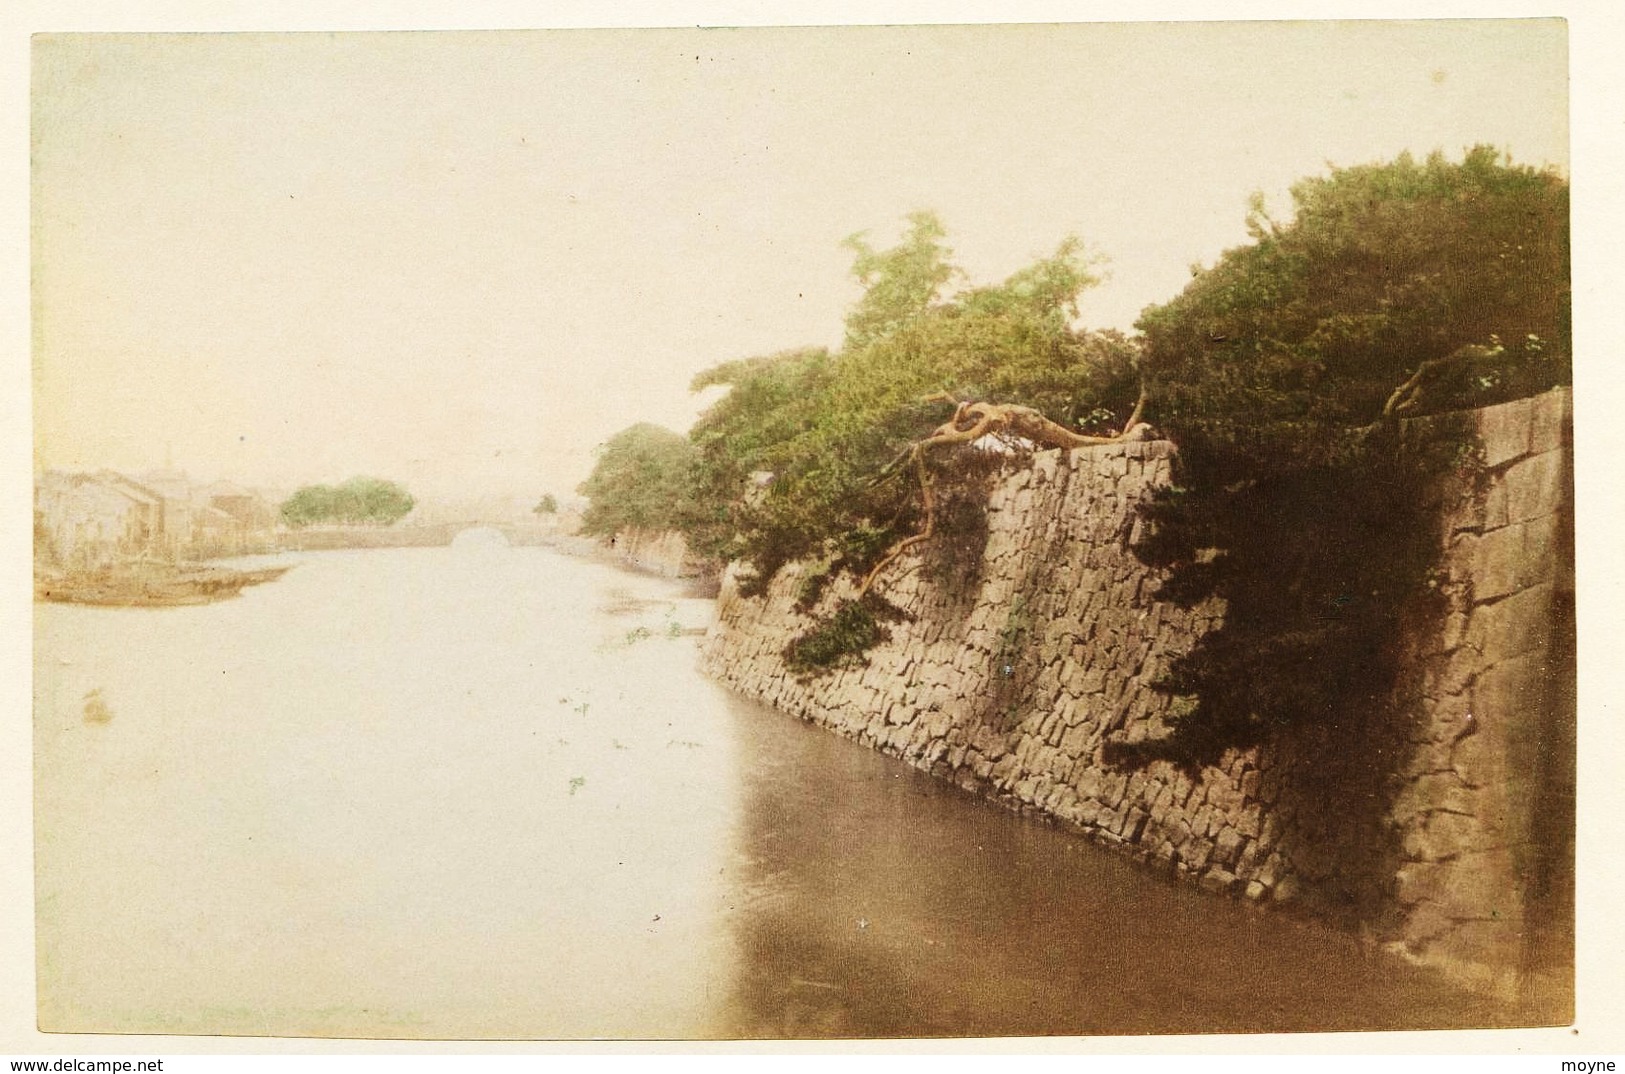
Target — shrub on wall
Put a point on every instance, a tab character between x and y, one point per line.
1396	290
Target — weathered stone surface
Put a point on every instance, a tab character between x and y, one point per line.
1418	882
1443	836
1495	506
1518	624
1433	791
1504	431
1487	941
1497	562
1535	486
1506	692
1549	422
1478	883
1478	760
1454	632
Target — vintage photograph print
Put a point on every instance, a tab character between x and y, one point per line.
786	533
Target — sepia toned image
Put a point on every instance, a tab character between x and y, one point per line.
778	533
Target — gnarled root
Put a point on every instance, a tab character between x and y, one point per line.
970	423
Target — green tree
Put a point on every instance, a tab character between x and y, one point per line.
900	283
1395	290
360	500
547	505
308	506
829	428
741	439
642	480
1383	269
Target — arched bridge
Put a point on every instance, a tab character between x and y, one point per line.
421	535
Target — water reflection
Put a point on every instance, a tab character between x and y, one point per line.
880	902
420	793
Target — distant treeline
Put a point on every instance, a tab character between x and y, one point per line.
358	501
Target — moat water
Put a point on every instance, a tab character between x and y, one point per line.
479	792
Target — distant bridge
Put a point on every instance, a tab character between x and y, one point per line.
424	535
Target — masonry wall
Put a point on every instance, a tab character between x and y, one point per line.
1446	834
662	552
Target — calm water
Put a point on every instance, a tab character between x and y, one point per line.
483	792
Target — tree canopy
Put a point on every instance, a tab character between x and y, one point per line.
826	425
1396	290
1382	269
642	480
360	500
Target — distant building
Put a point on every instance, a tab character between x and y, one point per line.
216	532
179	515
229	519
250	510
93	519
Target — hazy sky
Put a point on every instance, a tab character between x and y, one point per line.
465	259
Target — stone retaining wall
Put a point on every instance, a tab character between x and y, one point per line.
661	552
1449	837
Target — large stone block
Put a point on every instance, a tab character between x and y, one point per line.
1496	565
1196	852
1550	419
1492	516
1075	742
1432	791
1514	626
1543	542
1440	837
1479	759
1426	924
1481	882
1247	862
1504	431
1272	870
1536	486
1510	693
1418	881
1453	633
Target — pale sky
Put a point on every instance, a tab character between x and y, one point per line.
462	260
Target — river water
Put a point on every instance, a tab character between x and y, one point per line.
484	792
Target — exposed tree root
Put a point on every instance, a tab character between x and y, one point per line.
970	423
1409	394
930	498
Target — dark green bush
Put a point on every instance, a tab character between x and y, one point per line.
1299	500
